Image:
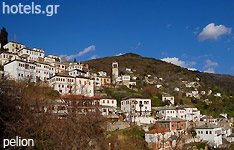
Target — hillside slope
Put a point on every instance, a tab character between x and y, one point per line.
169	72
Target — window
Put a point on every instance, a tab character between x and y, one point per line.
210	132
206	132
201	132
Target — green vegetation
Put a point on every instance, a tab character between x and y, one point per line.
53	94
120	93
201	145
1	68
173	75
128	139
156	102
3	37
135	131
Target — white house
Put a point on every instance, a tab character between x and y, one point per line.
73	66
157	138
136	106
193	94
134	78
203	92
6	57
49	59
21	70
57	58
166	112
13	47
58	107
183	112
97	81
66	85
218	95
78	73
226	131
102	73
44	71
230	138
34	54
131	84
108	102
189	94
126	78
192	113
158	86
196	94
210	133
176	89
59	67
209	119
167	97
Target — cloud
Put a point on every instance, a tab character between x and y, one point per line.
196	30
120	54
94	57
138	45
209	66
164	53
176	61
210	70
168	25
86	50
210	63
233	68
213	32
192	69
201	56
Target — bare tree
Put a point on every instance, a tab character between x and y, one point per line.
22	114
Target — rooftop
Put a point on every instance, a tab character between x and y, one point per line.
153	131
208	126
80	97
172	120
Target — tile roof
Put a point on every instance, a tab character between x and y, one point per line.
153	131
208	126
80	97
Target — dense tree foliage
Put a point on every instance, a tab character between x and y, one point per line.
3	37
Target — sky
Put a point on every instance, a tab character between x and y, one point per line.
195	34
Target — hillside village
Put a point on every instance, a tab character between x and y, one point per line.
172	114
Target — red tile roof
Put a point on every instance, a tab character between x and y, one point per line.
80	97
153	131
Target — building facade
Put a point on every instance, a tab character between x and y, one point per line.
136	106
66	85
210	133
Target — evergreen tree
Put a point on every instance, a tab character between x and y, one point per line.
3	37
74	59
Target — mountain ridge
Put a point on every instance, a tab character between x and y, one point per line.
159	68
